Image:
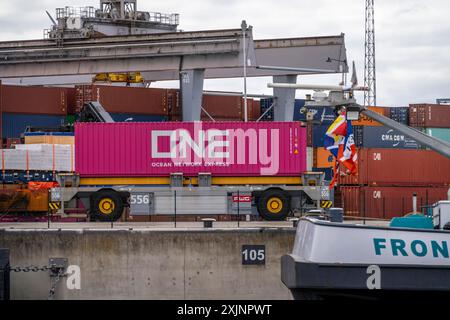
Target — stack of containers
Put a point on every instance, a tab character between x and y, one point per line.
388	178
391	168
323	117
432	119
24	106
389	173
318	121
156	105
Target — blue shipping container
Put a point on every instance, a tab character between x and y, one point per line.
264	105
269	116
328	172
121	117
66	134
400	114
318	135
14	124
382	137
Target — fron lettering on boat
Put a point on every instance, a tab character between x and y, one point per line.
415	248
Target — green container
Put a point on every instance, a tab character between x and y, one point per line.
70	119
440	133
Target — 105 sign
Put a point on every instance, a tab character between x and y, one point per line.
253	254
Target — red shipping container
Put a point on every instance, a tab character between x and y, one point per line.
399	167
309	134
221	148
173	104
230	107
34	100
256	110
386	202
429	115
71	101
10	142
124	99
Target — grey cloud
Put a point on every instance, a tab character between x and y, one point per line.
412	36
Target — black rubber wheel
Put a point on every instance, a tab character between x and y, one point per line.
106	205
274	205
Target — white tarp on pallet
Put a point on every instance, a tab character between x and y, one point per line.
42	157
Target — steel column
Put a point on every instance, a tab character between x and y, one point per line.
284	98
191	84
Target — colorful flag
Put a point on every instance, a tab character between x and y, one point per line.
339	141
349	155
335	135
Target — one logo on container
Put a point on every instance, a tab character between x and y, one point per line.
214	147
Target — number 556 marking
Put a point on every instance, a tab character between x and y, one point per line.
139	199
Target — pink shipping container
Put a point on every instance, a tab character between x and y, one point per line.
399	167
220	148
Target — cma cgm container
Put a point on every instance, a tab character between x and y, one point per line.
382	137
386	202
398	167
220	148
429	115
209	168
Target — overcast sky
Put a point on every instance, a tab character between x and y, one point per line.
412	36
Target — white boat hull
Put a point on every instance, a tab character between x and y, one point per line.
362	261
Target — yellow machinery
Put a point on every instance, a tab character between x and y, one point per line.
17	198
130	77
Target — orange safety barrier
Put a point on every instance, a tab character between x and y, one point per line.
32	185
